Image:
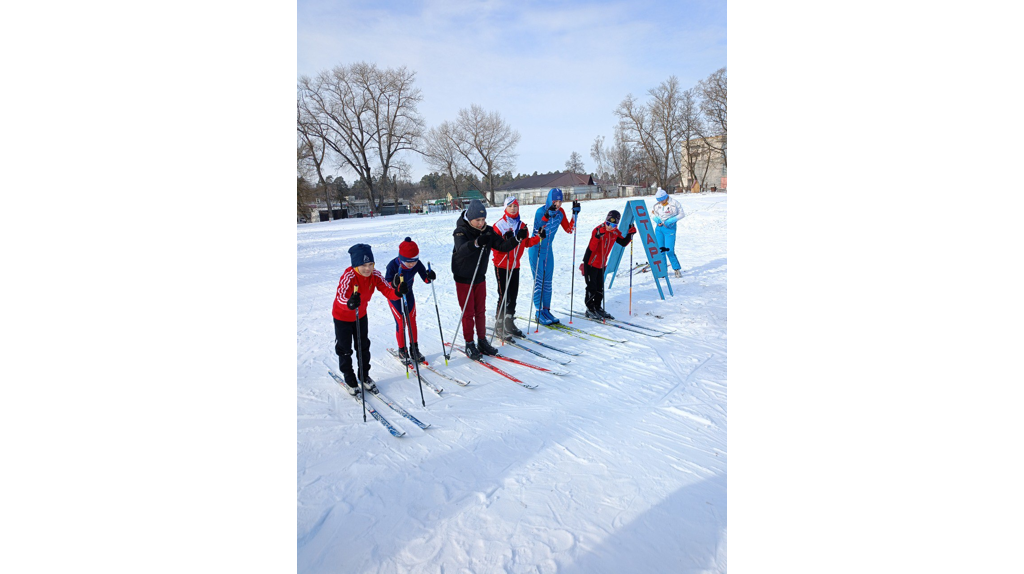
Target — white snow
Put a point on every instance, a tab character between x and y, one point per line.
619	466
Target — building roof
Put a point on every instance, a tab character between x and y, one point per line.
560	179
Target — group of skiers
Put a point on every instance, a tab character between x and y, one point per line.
506	240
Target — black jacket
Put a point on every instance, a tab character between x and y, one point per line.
466	255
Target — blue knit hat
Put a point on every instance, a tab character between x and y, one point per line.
361	254
476	210
554	195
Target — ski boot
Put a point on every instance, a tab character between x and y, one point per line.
605	315
472	351
415	354
592	314
403	355
486	347
351	384
511	329
371	387
678	274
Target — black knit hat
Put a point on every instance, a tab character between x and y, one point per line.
613	217
361	254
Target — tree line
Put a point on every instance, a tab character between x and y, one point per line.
362	118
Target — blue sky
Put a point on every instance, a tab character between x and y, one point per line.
555	71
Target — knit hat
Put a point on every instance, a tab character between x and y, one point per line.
361	254
661	195
554	195
613	217
475	210
510	200
408	251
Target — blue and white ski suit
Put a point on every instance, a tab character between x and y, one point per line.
542	262
665	234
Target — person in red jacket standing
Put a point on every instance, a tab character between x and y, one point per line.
506	266
595	259
355	288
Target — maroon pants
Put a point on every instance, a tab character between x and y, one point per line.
474	314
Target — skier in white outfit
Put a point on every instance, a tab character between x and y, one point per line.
665	214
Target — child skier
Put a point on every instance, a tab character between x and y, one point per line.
355	288
404	268
506	267
542	263
473	238
665	213
595	259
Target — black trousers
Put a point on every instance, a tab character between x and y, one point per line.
512	279
344	344
594	276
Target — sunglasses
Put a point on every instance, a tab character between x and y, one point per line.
611	221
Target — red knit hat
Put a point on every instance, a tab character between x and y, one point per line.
408	250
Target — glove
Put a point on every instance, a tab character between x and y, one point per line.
402	289
396	280
484	241
353	301
575	207
542	233
598	235
549	213
431	275
508	235
522	233
631	230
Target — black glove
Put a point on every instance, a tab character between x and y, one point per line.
484	241
598	235
431	275
508	235
522	233
353	301
402	289
542	232
396	280
575	207
549	213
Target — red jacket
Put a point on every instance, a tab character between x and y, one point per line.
501	258
367	285
600	248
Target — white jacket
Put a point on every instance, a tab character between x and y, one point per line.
668	214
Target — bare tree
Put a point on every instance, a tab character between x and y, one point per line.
575	164
694	147
365	115
313	151
487	143
441	153
655	128
714	106
599	154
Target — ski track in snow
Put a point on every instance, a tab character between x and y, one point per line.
619	466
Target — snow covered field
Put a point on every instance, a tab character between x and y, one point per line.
619	466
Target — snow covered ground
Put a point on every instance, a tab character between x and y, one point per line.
619	466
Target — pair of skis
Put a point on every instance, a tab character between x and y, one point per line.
511	340
375	413
625	325
579	333
501	357
409	367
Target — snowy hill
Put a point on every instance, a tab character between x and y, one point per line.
618	466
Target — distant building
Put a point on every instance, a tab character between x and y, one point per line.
574	186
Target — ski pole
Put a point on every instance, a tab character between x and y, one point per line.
540	287
466	304
439	331
408	339
631	277
504	296
359	358
572	282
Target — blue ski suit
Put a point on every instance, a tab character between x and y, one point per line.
667	215
542	262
